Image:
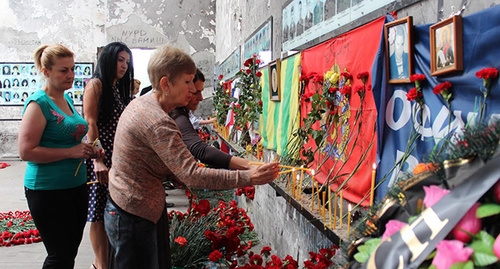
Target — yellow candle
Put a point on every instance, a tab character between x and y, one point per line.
299	184
349	221
372	188
341	200
324	204
330	205
288	183
317	195
298	188
335	213
284	172
312	197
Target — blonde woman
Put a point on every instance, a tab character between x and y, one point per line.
50	140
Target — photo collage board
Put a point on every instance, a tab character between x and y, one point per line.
19	80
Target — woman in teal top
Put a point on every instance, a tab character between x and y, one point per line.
50	140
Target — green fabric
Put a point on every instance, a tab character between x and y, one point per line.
280	119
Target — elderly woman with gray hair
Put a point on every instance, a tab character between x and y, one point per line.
148	149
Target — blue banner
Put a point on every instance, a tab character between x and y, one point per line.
397	118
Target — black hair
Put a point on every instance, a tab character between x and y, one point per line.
198	76
106	73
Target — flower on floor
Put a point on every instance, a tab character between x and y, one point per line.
181	241
18	228
248	191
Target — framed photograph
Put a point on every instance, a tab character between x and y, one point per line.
446	46
399	50
274	80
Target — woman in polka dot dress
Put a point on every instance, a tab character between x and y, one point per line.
104	99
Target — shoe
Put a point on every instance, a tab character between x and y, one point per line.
169	204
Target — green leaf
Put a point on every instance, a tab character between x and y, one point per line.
365	250
463	265
487	210
361	257
483	249
315	97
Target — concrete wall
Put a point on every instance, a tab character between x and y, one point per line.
83	26
278	224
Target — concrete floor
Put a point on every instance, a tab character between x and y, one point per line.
32	256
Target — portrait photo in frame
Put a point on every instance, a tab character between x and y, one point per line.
274	80
446	40
399	50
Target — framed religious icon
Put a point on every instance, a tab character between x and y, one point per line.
446	46
274	80
399	50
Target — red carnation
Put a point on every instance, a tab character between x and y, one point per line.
358	88
441	87
257	61
220	77
346	75
9	224
249	71
346	90
248	62
203	207
233	232
215	256
412	94
260	103
265	251
256	259
487	73
363	75
417	77
327	252
258	74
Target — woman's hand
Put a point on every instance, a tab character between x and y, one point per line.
264	174
101	171
82	151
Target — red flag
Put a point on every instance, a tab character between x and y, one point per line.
352	52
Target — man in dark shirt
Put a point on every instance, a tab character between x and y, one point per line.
200	150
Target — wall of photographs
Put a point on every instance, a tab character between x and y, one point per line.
20	80
260	43
231	65
305	20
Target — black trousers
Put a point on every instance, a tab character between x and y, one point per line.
60	217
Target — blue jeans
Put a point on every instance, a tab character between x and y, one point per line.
133	238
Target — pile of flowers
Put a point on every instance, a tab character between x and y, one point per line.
474	242
18	228
202	231
320	260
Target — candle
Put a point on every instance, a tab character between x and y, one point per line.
372	189
293	182
301	180
341	200
324	204
297	189
349	221
317	195
330	205
288	183
312	197
335	213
